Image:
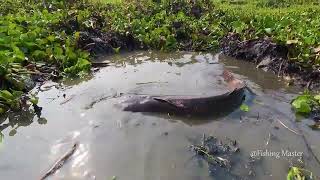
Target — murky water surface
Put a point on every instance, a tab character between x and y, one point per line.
148	146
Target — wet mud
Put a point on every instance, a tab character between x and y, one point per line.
271	57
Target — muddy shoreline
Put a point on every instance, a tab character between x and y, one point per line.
271	57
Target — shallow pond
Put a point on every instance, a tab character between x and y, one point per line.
149	146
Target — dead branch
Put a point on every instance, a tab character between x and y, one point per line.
60	162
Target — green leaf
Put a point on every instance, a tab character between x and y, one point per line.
70	53
239	26
58	51
317	97
82	65
17	94
51	38
1	137
302	104
39	55
296	173
2	110
6	95
77	36
18	54
244	108
34	100
116	50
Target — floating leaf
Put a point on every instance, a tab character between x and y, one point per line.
244	108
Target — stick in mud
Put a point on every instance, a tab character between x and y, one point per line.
60	162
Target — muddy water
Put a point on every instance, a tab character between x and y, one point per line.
148	146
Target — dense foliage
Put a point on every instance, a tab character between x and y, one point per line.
30	45
52	38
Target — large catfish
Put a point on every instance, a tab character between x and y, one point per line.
191	105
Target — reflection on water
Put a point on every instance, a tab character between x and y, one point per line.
14	120
139	146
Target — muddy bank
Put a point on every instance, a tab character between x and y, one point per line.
98	43
271	57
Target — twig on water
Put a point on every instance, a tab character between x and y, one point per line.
60	162
288	127
152	82
68	99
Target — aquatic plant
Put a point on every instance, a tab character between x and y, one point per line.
306	104
296	173
30	45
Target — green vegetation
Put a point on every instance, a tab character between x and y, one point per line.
306	102
48	38
244	108
30	43
296	173
295	27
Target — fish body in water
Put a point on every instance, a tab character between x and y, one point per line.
191	105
